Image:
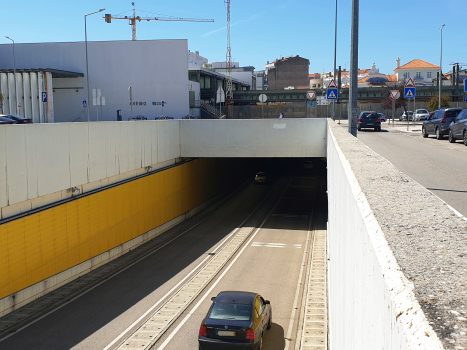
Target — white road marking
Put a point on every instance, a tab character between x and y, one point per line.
180	325
275	245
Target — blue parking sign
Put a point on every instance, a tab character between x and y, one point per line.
44	96
465	98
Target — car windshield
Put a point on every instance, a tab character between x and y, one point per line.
225	311
422	111
261	174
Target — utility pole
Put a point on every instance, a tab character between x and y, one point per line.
440	80
334	72
229	93
353	96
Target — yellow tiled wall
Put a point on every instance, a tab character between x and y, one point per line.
41	245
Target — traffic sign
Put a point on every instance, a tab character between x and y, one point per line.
313	103
465	85
332	85
263	98
394	94
310	94
331	94
410	83
409	92
465	98
44	96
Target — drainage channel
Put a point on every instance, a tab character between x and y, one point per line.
314	332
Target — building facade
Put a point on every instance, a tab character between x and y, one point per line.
287	72
155	69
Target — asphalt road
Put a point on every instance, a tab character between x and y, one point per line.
269	263
438	165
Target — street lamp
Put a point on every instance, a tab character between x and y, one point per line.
14	73
440	67
87	68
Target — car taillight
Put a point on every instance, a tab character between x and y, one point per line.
444	117
25	121
250	334
361	119
379	119
203	331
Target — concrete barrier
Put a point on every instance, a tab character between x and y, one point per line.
372	304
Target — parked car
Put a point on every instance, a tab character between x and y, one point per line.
235	320
260	178
19	120
369	119
383	117
5	120
421	114
438	123
164	117
138	117
458	128
404	117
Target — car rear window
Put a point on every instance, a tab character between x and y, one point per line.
422	111
370	115
260	174
453	113
225	311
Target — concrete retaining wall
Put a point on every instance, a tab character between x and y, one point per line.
253	138
371	303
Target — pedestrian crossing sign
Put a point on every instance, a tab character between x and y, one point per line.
332	94
409	92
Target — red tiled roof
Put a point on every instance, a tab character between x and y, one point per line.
363	80
392	77
363	71
417	64
315	75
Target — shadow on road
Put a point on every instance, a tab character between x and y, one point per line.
274	339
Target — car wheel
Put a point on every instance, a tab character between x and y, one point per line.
465	138
424	134
439	136
451	138
359	128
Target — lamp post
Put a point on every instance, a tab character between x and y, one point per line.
440	67
334	72
14	73
87	68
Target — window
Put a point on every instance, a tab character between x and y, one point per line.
201	83
428	75
407	75
419	75
207	82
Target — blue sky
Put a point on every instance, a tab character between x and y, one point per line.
261	30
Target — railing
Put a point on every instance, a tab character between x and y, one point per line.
211	110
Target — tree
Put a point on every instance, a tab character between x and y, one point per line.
434	101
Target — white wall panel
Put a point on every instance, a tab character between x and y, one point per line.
97	145
154	126
4	89
111	148
146	145
123	151
27	110
3	167
253	138
17	170
53	158
34	98
78	134
138	144
31	158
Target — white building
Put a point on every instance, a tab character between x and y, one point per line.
157	70
195	60
243	74
423	73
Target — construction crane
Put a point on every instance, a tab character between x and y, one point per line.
229	93
133	19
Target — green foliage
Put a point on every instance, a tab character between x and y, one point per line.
445	100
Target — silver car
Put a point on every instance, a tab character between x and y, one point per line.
421	114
